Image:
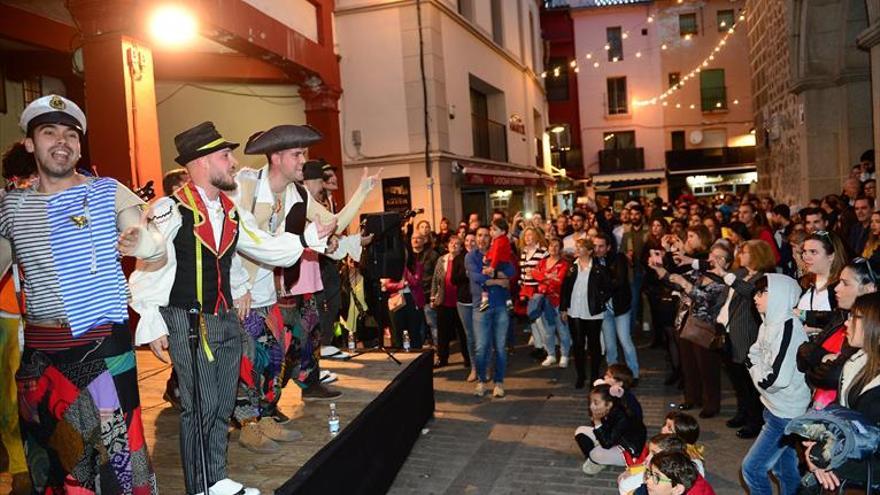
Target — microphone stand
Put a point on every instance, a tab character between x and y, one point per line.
193	336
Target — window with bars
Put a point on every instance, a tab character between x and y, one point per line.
617	101
32	89
687	24
557	85
614	37
713	93
725	20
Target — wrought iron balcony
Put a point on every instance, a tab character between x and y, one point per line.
709	158
621	160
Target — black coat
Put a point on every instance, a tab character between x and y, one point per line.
461	280
623	428
743	319
621	296
598	290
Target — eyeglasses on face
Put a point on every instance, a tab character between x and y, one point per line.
656	477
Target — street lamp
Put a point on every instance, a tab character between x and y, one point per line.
172	25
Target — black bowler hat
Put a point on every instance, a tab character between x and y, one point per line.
313	169
282	137
199	141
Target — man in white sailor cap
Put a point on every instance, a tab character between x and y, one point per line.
79	404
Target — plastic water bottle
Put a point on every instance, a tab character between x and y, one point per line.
333	421
406	344
351	343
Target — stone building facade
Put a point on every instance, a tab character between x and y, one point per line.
811	85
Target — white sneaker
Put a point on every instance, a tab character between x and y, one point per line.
328	377
563	362
329	350
590	468
550	361
228	487
480	390
499	391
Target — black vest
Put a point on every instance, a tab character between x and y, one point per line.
215	273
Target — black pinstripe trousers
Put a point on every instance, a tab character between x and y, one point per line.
218	381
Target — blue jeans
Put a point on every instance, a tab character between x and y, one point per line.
616	329
636	289
491	329
466	313
540	307
431	320
768	453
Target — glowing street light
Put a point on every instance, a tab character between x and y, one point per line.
172	25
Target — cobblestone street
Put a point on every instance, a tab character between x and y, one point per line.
524	442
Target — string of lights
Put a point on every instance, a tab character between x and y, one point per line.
575	67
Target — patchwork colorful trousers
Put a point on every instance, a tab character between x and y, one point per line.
80	412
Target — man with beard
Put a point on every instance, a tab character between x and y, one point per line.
280	202
79	407
202	229
633	245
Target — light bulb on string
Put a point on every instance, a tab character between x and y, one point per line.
577	69
544	75
614	59
638	54
589	56
596	64
663	46
607	46
678	105
573	63
693	106
556	72
687	37
736	102
625	35
650	19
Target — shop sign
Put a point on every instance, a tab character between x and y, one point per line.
500	180
516	124
396	194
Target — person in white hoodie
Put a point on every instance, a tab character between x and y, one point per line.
783	389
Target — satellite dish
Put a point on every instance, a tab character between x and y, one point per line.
696	137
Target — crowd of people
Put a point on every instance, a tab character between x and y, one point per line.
763	292
260	262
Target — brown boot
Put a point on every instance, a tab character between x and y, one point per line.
253	439
278	433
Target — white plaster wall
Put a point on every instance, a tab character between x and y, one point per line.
371	67
299	15
643	80
236	116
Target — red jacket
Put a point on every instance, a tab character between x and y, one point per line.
701	487
500	252
550	287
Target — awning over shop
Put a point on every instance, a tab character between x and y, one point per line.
477	176
628	179
716	171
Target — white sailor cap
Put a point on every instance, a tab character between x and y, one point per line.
52	109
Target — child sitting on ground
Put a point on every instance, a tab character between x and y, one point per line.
499	252
632	481
614	431
622	376
676	474
686	426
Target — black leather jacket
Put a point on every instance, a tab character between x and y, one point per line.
598	290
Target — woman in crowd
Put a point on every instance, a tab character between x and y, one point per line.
549	275
586	290
823	357
741	319
406	300
444	298
859	385
703	294
532	250
661	300
444	234
824	257
871	247
465	303
424	228
796	241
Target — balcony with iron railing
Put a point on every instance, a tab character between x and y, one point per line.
709	158
713	99
490	139
621	160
